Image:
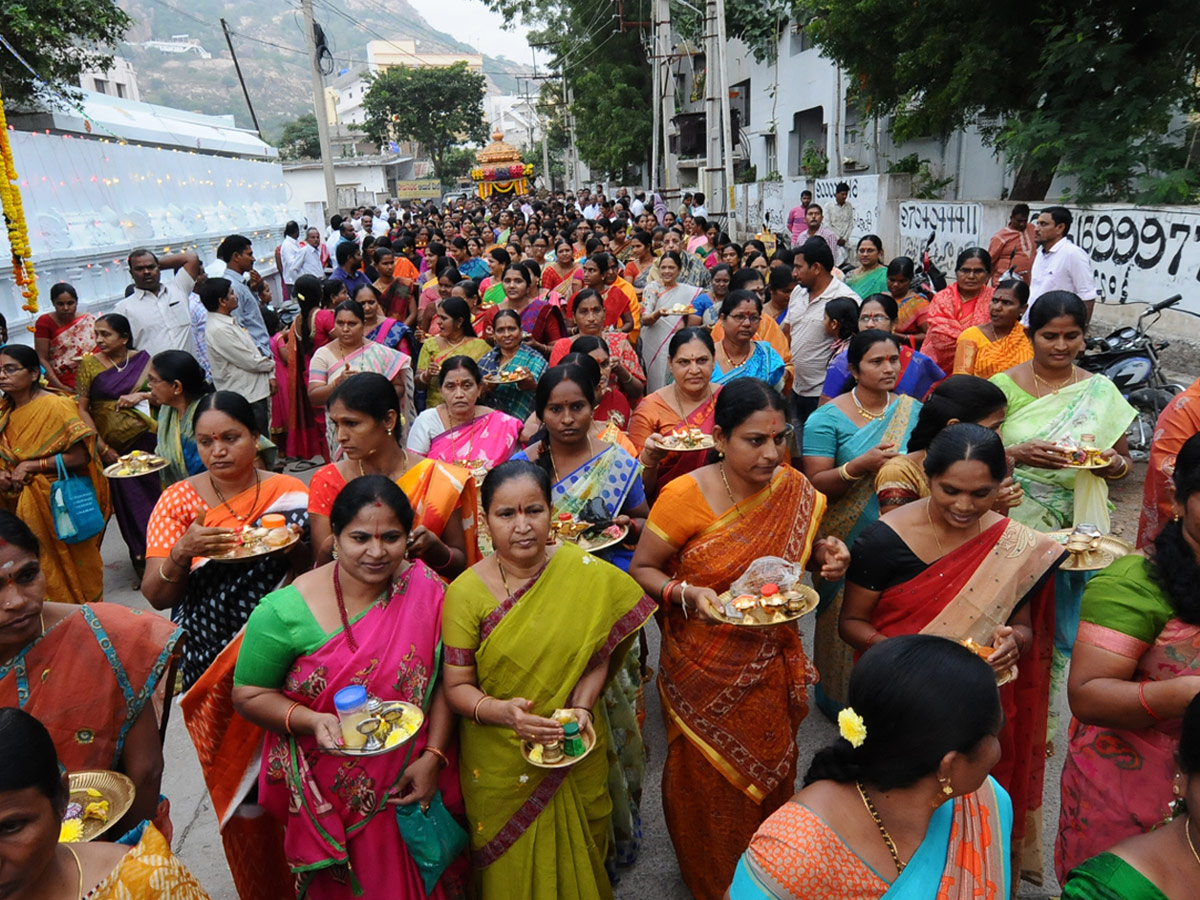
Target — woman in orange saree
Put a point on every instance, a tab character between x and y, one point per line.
950	566
733	697
1178	422
965	303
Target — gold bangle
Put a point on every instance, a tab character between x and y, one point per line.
844	472
163	576
438	753
475	712
1124	470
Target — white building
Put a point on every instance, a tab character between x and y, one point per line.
360	181
120	80
178	44
517	118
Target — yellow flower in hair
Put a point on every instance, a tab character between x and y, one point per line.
852	727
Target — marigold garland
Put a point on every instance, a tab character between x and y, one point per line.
14	219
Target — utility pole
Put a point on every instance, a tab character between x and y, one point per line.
318	89
545	125
666	98
712	105
726	120
242	81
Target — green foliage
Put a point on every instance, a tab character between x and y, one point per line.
438	108
612	121
748	175
758	23
925	185
1085	87
300	139
457	164
59	39
813	162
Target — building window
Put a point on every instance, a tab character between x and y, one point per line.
101	86
120	90
771	152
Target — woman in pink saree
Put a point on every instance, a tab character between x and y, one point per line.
369	619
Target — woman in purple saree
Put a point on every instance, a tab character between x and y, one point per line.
113	397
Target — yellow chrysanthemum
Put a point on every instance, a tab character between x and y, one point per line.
70	832
852	727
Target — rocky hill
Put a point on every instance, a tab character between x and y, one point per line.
270	50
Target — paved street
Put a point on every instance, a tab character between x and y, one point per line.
656	873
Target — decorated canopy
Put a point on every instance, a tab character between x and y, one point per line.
500	170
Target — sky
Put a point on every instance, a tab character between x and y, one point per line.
474	23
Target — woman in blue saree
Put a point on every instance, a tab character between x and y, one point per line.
920	818
584	468
845	443
738	354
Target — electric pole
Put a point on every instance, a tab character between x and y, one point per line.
726	121
318	88
665	100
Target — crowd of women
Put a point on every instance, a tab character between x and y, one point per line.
461	422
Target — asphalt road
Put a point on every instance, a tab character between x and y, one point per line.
656	874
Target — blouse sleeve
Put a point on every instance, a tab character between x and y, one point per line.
173	513
1122	599
318	367
420	436
837	376
43	327
680	512
326	484
820	433
460	619
873	557
268	646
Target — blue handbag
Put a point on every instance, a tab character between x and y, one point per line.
73	506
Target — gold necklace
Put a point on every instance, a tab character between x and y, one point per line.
1054	388
679	400
728	489
887	838
403	462
729	358
929	516
504	578
241	519
1187	830
79	866
866	413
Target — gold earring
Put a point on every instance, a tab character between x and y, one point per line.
947	788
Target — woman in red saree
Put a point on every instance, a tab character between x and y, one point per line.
690	401
949	566
62	337
373	619
733	697
965	303
542	321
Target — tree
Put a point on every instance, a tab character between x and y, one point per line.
457	164
612	128
1098	89
438	108
300	139
59	39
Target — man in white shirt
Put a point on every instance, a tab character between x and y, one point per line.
237	364
698	207
158	314
310	261
372	226
291	255
811	343
840	217
1059	264
638	206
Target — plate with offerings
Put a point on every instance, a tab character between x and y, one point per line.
680	309
769	593
575	745
1081	454
381	727
271	536
520	373
97	800
985	652
686	439
589	536
135	465
1089	548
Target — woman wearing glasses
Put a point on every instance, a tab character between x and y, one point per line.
918	373
738	354
965	303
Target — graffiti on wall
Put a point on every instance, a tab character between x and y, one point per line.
864	197
954	226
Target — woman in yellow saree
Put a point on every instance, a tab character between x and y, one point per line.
733	697
518	647
36	426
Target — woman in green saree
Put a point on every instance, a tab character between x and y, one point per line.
1161	864
846	441
517	649
1051	400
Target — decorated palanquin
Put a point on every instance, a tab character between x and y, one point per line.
500	170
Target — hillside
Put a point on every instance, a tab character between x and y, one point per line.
273	63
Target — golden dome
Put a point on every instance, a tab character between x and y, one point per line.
498	151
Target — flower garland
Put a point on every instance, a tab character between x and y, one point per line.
14	219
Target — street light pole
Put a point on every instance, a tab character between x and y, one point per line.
318	89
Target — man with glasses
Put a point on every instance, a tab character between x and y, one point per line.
1059	264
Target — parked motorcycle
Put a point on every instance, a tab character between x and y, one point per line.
927	277
1128	357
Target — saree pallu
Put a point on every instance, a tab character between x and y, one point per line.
918	374
543	830
1116	782
220	595
948	316
976	354
1060	498
967	594
149	871
304	435
1178	422
913	313
326	368
89	677
49	424
733	698
124	430
657	335
763	363
509	398
655	416
552	278
393	333
68	343
964	856
867	283
436	490
847	517
340	833
478	445
620	349
613	475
